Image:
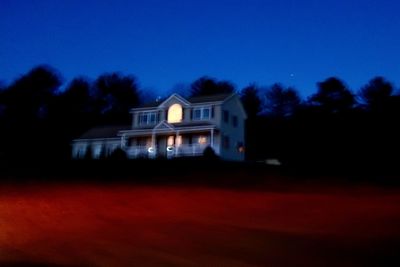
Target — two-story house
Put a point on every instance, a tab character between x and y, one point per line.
174	127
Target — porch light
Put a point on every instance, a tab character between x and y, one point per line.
150	150
170	148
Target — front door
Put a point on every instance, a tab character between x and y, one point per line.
161	146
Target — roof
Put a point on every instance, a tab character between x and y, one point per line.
109	131
193	100
209	98
192	124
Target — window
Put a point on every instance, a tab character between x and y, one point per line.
197	114
225	141
202	139
235	121
175	113
178	140
206	113
226	116
202	113
152	118
146	118
240	147
170	141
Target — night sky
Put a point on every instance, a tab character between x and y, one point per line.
164	43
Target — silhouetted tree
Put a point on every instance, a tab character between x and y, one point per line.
251	100
25	107
28	97
209	86
333	96
376	93
75	103
115	96
280	101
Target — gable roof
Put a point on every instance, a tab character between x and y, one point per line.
178	98
209	98
102	132
193	100
163	125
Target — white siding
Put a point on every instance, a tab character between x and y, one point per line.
235	134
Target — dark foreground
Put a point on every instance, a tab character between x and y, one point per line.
86	223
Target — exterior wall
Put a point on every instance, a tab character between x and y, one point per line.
135	119
236	134
213	119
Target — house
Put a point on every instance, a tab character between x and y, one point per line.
174	127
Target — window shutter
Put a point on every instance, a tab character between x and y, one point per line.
166	115
212	111
191	114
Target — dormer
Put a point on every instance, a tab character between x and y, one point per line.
175	108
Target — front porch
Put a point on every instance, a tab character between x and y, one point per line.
170	144
182	150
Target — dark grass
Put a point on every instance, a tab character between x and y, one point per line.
185	171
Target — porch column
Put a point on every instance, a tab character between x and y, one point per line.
176	147
212	138
123	141
153	141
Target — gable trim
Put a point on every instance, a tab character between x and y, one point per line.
180	98
164	123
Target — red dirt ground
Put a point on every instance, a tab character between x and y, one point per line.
127	225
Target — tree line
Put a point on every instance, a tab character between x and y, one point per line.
333	128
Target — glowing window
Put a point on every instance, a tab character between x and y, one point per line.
202	140
175	113
170	141
178	140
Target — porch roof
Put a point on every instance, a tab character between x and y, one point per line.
178	127
103	132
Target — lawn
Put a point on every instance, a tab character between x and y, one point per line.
91	224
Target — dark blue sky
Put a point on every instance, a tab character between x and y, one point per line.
163	43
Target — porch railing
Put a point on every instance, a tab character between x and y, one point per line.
184	150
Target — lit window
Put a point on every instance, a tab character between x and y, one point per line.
170	141
240	147
178	140
202	140
175	113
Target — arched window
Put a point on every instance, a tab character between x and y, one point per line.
175	113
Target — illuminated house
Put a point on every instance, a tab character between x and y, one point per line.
174	127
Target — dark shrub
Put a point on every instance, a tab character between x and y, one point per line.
209	154
88	153
118	154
